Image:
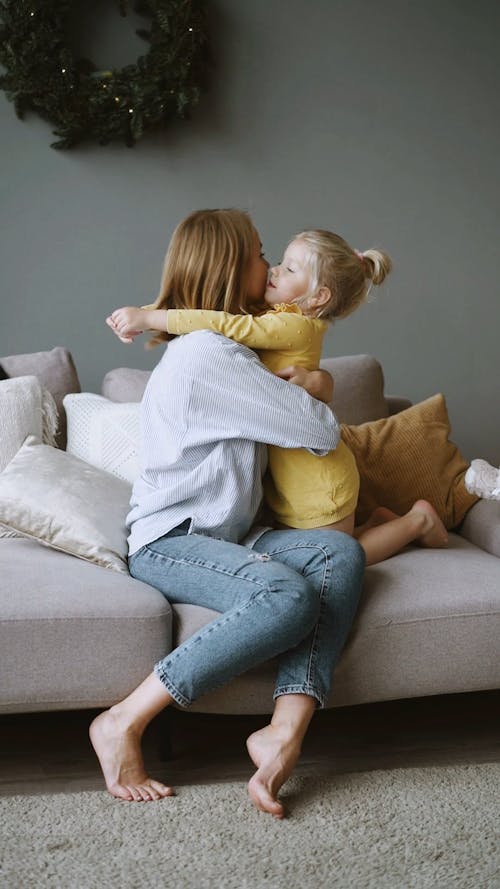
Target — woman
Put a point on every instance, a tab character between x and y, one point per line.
203	455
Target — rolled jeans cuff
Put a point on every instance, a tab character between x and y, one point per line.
172	690
301	690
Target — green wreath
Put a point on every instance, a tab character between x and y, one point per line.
42	74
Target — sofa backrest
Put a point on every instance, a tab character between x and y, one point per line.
55	370
358	393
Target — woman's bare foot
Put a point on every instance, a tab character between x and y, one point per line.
119	752
275	756
434	533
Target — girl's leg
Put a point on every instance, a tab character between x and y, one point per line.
386	534
266	607
332	563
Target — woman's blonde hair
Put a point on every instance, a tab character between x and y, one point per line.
348	273
206	264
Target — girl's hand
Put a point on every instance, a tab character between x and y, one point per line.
125	339
317	383
129	321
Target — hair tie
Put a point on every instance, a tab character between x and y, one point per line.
361	256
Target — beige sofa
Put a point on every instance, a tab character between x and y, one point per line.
76	635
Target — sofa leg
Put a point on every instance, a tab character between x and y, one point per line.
164	735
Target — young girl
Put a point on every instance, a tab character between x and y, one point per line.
289	594
320	279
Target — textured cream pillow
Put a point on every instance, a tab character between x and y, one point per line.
104	434
26	408
61	501
409	457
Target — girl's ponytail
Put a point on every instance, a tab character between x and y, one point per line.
376	264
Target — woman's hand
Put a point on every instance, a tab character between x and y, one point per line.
317	383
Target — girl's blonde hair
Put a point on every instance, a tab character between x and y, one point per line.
347	273
206	264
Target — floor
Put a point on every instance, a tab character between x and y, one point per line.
51	753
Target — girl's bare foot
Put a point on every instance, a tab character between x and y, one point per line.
118	749
275	756
434	533
380	516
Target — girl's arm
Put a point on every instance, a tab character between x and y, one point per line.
266	331
274	330
278	330
319	383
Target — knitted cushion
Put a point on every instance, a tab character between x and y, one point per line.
408	457
104	434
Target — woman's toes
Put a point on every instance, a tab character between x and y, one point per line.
136	796
262	798
162	789
120	792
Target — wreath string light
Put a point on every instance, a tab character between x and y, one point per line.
85	104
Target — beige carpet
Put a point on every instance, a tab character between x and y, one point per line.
435	827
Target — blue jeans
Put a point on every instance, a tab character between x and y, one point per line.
294	595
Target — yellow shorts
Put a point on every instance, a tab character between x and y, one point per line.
305	491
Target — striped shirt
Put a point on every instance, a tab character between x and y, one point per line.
208	411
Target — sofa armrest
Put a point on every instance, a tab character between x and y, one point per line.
395	404
481	526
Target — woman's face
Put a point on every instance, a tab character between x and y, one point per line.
258	268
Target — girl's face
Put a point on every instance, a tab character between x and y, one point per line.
257	272
290	279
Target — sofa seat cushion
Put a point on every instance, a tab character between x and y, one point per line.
72	634
428	623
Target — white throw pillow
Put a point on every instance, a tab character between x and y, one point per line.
67	504
104	433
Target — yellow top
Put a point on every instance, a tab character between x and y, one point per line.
303	490
282	336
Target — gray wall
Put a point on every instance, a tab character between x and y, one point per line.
378	120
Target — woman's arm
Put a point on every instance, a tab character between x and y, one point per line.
274	330
234	396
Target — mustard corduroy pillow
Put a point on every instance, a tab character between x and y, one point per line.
408	457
